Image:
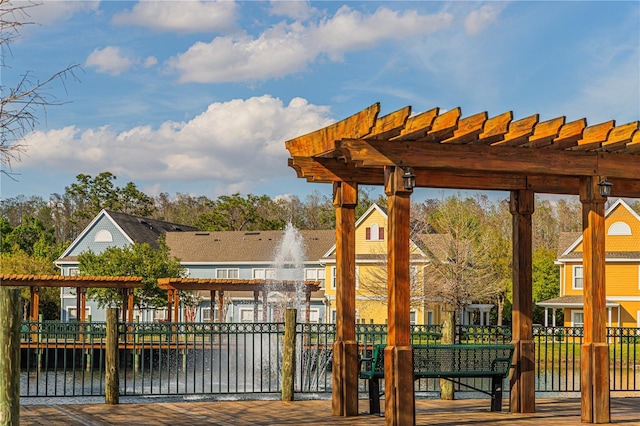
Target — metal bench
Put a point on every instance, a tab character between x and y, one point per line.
450	362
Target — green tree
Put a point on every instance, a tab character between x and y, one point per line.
33	238
139	260
19	262
545	280
238	213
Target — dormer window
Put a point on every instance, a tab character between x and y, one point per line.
375	233
103	236
619	228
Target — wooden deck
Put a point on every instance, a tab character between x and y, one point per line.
550	412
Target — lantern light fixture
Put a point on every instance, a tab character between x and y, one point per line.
408	178
605	188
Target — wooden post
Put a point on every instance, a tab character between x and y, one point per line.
594	358
307	305
220	306
112	373
256	297
344	399
169	304
129	305
35	302
398	355
289	355
265	304
522	381
9	356
212	299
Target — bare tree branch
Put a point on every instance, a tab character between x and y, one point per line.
21	102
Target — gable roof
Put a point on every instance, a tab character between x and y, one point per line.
145	230
568	241
242	246
136	229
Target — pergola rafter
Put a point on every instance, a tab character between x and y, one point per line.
477	152
220	285
81	283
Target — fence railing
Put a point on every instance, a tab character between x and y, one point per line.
67	359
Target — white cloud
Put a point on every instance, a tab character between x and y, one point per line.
238	144
300	10
181	16
479	19
47	12
150	61
109	60
288	48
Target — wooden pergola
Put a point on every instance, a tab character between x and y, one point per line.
81	283
447	150
213	285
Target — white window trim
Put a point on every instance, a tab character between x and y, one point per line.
243	310
316	312
573	278
103	236
87	312
637	319
267	273
228	269
333	277
573	313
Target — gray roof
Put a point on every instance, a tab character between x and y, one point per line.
243	246
145	230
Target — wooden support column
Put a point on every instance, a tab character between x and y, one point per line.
256	296
398	355
35	302
130	305
265	304
594	359
344	400
83	304
220	305
522	380
169	304
176	305
307	300
212	299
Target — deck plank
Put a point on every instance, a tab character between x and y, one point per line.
550	412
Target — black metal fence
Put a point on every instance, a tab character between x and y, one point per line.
67	359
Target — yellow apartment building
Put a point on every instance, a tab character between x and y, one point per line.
622	272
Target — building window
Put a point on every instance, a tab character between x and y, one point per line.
264	274
160	314
577	318
246	314
316	274
413	317
374	233
333	277
314	315
227	273
619	228
72	313
577	278
429	317
74	272
103	236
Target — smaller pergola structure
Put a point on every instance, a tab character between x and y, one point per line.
81	283
213	285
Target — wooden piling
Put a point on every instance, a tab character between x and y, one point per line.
112	375
9	356
288	355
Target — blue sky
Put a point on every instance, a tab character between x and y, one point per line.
199	97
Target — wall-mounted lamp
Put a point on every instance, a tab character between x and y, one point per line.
605	188
408	178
